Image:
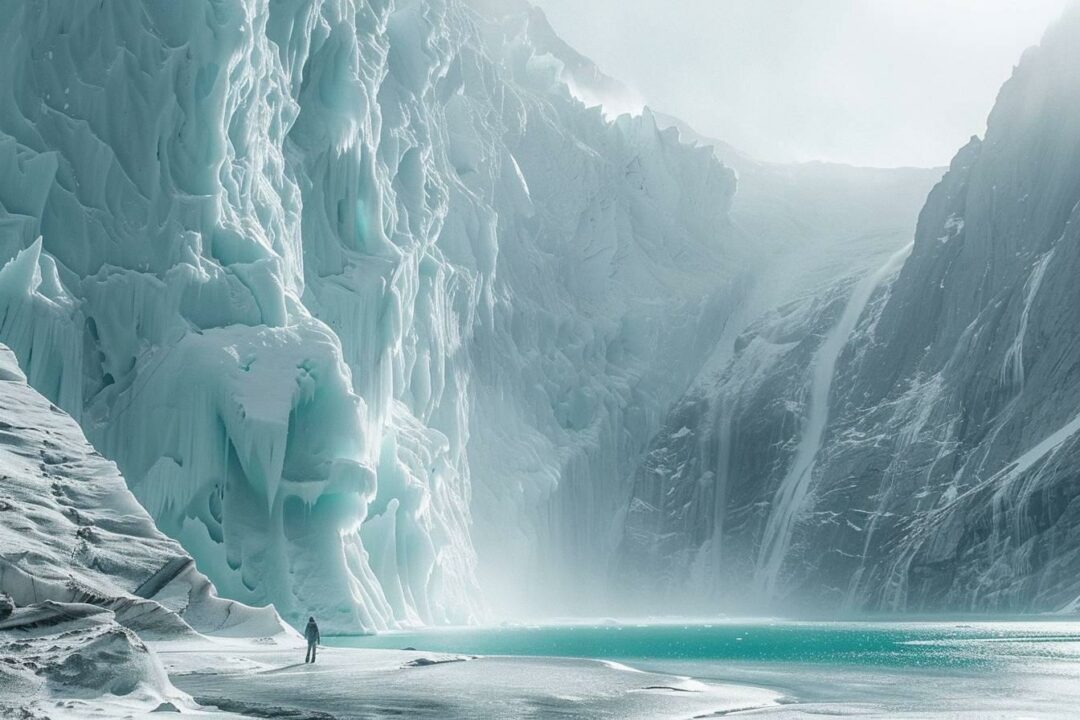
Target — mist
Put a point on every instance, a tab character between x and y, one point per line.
388	359
884	84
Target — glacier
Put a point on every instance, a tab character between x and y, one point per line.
353	293
403	313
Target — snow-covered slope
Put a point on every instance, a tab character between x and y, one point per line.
904	441
86	570
78	662
73	533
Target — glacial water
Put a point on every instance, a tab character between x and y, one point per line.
939	644
921	669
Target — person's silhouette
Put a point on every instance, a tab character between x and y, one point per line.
311	632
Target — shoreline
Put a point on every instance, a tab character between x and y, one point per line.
269	678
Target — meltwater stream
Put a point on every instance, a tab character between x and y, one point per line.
918	669
794	488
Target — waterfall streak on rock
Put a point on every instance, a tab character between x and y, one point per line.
791	496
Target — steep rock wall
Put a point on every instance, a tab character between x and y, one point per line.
942	478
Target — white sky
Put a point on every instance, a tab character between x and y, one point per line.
867	82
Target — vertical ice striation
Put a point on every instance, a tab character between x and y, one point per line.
342	284
41	320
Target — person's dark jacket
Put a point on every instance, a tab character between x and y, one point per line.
311	632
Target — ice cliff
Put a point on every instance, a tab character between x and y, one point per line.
905	438
352	291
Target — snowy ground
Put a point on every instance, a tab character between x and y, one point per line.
67	661
349	683
91	667
1045	690
59	674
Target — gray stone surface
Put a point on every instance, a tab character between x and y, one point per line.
946	474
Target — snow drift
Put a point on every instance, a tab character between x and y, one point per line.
85	576
73	533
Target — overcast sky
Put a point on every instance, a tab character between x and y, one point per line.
868	82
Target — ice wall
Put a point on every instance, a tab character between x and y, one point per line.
341	285
168	296
611	286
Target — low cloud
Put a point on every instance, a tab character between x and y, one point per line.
867	82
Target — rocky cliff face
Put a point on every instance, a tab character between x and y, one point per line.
906	440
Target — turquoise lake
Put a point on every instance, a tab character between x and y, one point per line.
915	644
881	669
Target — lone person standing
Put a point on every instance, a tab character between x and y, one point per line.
311	632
